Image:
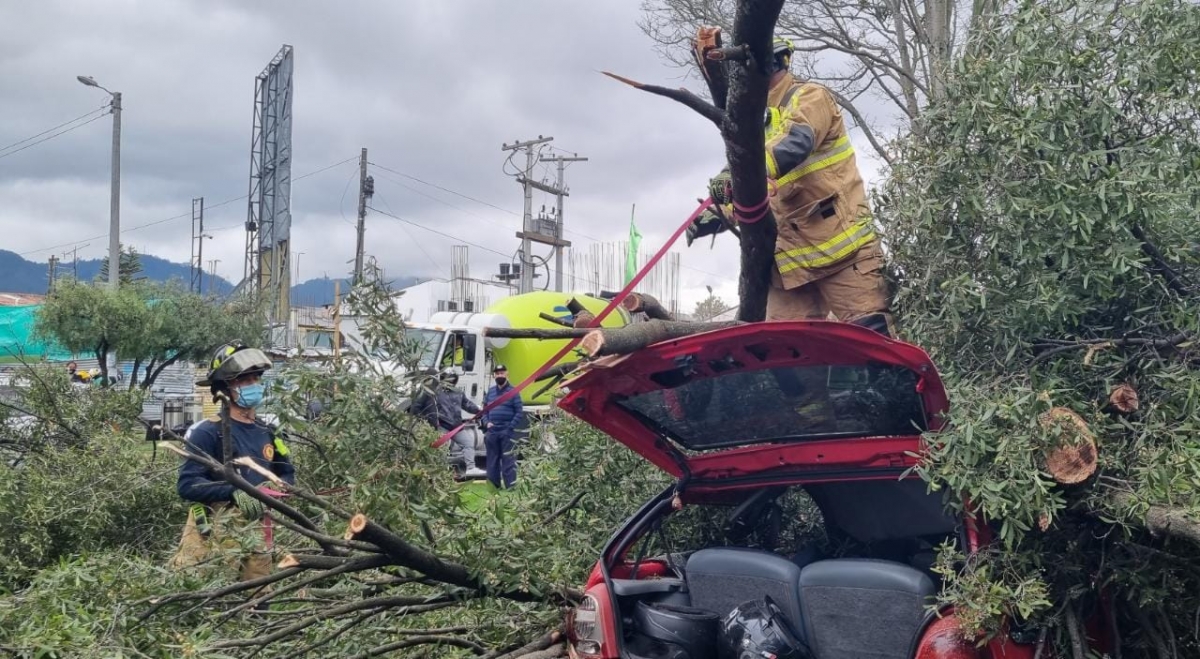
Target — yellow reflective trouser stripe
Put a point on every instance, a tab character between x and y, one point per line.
827	253
839	151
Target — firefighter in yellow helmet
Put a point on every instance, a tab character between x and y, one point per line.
235	380
827	257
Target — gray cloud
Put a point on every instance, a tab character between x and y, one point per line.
431	88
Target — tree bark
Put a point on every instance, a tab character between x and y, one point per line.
153	376
557	321
1162	520
602	341
548	334
583	317
624	340
753	26
647	304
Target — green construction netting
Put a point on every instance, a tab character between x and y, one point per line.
16	336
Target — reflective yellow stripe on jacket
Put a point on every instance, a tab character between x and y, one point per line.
837	152
829	252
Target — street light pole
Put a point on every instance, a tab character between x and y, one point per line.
114	206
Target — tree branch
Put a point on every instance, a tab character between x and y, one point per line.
1174	280
422	640
703	107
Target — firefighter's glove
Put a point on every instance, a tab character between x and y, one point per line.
708	224
252	509
720	188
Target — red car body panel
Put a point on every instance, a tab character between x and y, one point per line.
721	473
755	347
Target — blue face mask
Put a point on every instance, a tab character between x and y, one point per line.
250	395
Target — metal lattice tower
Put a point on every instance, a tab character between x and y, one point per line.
198	237
269	217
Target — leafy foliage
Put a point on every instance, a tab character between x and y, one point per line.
129	267
154	324
1041	226
709	308
365	455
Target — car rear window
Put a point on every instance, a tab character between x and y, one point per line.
793	403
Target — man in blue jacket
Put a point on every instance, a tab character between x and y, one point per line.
501	423
234	377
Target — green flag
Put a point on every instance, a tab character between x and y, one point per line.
635	241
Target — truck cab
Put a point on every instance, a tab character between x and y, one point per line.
456	340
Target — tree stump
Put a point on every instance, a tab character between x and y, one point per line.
1071	454
1122	400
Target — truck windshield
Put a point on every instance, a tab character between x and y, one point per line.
426	345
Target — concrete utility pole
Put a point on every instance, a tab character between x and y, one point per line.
198	237
212	272
530	233
53	268
558	218
366	190
114	208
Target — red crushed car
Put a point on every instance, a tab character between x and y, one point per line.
791	445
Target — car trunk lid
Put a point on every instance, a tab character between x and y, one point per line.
746	400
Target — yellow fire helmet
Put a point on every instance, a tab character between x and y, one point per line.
234	360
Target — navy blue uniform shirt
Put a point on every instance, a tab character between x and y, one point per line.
255	440
506	415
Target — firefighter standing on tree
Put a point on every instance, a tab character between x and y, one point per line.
827	258
234	377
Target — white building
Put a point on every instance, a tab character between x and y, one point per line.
419	302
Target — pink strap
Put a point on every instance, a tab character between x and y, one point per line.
613	304
752	214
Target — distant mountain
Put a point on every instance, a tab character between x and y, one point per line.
18	275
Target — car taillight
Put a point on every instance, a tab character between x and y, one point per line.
587	640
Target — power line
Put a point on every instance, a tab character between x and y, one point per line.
574	232
189	214
440	233
32	137
415	241
50	137
466	242
453	192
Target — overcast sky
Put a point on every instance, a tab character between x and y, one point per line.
432	88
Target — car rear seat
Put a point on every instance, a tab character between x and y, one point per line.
720	579
856	608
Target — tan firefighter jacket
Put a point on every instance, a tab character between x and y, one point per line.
816	191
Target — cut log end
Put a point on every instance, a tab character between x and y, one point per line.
356	526
1071	455
592	344
1123	400
288	561
584	319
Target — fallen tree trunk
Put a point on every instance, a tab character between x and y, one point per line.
1161	520
535	333
647	304
599	342
624	340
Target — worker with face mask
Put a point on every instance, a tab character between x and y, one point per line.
235	380
501	423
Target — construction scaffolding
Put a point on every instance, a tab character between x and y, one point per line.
601	267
